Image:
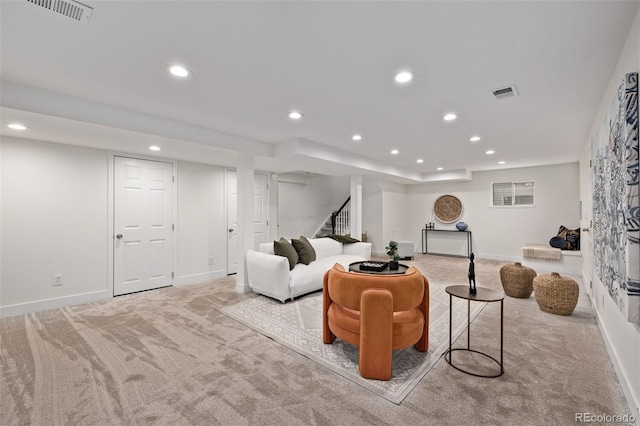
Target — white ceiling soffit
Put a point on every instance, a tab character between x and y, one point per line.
280	158
358	163
26	98
78	133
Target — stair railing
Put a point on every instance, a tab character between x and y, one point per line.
340	223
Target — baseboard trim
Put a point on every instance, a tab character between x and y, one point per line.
497	257
632	400
199	278
242	288
570	263
58	302
76	299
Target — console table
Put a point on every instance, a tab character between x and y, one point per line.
425	241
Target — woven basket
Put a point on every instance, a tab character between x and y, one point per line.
517	280
556	294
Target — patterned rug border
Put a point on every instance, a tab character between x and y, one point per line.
394	390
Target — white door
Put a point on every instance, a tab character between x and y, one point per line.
232	222
586	220
260	210
143	225
260	215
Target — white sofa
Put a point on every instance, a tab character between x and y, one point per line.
269	274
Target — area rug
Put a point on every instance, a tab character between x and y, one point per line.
298	326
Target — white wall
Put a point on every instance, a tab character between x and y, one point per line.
622	337
372	215
385	214
201	223
54	221
500	232
395	223
303	207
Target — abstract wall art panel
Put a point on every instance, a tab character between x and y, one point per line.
616	201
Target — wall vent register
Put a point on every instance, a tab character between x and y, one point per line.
505	92
69	8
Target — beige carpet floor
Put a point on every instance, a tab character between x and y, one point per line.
169	356
298	326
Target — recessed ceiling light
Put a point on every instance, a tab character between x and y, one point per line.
502	162
474	138
17	126
490	152
395	152
295	115
440	169
155	148
419	161
179	71
450	116
356	137
403	77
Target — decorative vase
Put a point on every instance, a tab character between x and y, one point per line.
394	265
517	280
461	226
556	294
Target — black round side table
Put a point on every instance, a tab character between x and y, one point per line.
482	295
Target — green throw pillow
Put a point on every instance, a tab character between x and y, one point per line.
305	250
284	248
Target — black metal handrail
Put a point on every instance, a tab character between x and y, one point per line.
340	219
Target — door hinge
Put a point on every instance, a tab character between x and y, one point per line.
590	163
172	275
267	186
267	223
173	178
173	227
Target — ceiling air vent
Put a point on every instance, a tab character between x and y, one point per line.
69	8
505	92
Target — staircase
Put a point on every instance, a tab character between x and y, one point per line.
326	229
338	223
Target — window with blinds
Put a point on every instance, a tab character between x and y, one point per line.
512	194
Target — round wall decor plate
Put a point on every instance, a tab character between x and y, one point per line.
447	208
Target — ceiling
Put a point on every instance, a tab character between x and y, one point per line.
104	83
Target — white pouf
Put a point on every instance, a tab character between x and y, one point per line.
405	249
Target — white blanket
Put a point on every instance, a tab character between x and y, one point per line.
541	252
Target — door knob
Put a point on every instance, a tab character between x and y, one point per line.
230	229
119	236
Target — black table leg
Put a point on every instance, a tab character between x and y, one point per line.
450	320
501	334
468	324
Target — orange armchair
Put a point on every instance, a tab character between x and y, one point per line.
377	313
